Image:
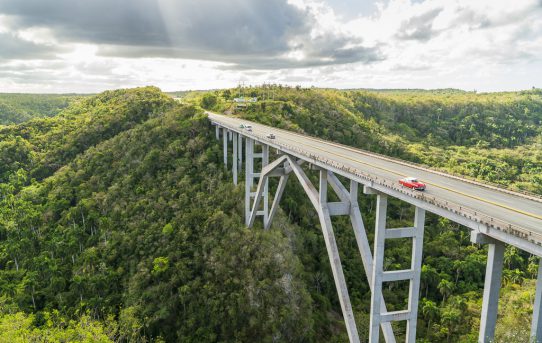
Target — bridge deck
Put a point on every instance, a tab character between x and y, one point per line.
521	211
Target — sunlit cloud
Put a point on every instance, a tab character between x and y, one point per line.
66	46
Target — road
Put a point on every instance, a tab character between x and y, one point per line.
509	207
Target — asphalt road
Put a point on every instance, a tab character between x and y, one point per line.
511	208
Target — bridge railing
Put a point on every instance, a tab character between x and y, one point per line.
466	212
463	178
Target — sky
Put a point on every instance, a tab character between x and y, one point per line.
82	46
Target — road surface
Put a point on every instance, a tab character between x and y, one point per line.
514	208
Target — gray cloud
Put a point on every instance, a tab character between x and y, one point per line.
419	27
13	47
248	34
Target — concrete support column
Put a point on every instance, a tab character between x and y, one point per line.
249	177
240	152
492	287
225	145
265	161
365	252
416	267
378	263
234	161
217	132
335	259
536	326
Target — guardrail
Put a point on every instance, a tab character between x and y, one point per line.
466	212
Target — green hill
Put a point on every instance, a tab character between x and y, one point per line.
118	221
18	108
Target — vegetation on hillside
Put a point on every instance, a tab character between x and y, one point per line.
18	108
118	222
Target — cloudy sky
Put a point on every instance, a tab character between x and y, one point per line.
90	46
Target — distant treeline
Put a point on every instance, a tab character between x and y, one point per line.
18	108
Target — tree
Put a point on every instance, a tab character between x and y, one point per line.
445	288
209	101
430	312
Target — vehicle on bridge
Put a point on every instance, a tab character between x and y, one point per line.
412	182
270	136
242	126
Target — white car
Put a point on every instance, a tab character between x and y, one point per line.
270	136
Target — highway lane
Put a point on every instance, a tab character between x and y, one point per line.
514	209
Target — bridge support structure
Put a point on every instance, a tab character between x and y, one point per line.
250	158
380	276
283	167
536	325
256	204
492	285
225	146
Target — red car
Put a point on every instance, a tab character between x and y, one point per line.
412	182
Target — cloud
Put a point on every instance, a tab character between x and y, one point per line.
248	34
13	47
419	27
88	46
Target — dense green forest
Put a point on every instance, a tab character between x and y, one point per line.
18	108
118	221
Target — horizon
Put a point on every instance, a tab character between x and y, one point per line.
292	86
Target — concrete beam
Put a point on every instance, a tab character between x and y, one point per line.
276	200
477	237
339	208
338	187
370	191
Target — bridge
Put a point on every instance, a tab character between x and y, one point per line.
494	215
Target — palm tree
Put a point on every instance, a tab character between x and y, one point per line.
450	318
445	288
429	276
430	312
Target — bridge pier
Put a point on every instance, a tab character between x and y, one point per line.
234	161
225	146
250	175
536	326
492	285
217	132
379	276
240	152
249	178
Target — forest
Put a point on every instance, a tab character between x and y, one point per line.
118	222
18	108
